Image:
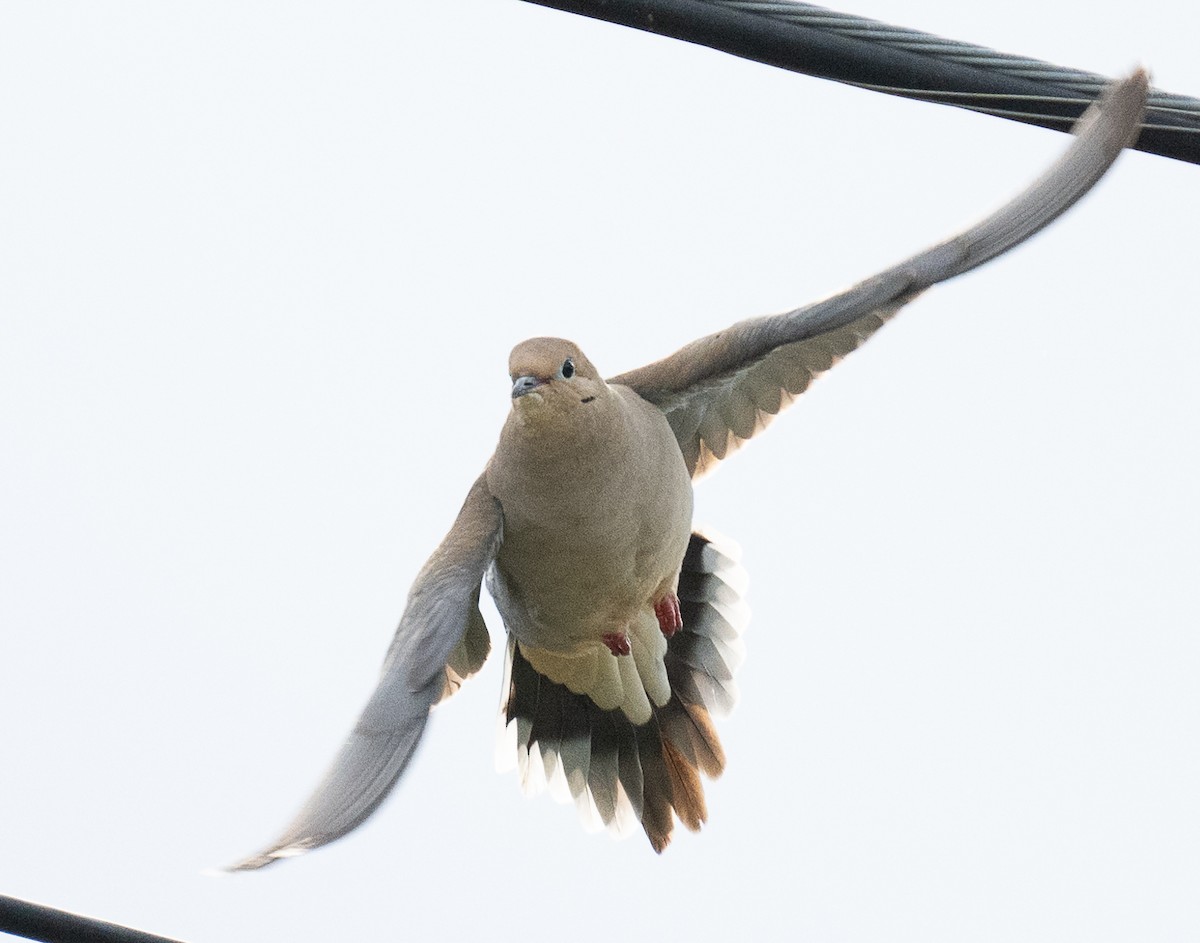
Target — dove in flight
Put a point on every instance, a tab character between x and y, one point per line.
623	625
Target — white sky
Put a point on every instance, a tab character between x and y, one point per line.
261	265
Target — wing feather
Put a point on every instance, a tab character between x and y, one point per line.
706	389
438	640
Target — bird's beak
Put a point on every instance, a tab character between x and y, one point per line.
523	385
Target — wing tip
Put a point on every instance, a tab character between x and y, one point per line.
262	859
1123	103
255	862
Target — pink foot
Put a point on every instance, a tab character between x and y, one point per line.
670	620
617	642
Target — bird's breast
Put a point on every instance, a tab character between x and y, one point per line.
592	530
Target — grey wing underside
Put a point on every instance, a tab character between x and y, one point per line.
440	641
722	389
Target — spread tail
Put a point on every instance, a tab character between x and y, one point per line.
619	773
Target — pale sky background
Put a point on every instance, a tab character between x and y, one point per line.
261	265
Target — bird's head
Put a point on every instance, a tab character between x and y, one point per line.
552	375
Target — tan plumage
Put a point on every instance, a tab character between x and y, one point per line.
581	525
591	540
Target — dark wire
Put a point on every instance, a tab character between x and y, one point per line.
857	51
37	922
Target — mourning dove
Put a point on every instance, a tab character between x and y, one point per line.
624	625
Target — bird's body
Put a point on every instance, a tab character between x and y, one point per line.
589	545
624	626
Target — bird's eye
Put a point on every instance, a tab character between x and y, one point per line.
568	369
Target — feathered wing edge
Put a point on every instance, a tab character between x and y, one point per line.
722	389
618	773
441	640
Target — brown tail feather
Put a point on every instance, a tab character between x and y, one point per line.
687	795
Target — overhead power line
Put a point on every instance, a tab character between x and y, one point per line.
37	922
857	51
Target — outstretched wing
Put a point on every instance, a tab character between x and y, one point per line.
441	640
720	390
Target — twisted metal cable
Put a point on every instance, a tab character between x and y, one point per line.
1087	84
49	925
897	60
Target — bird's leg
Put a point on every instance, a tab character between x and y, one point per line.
617	642
670	620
